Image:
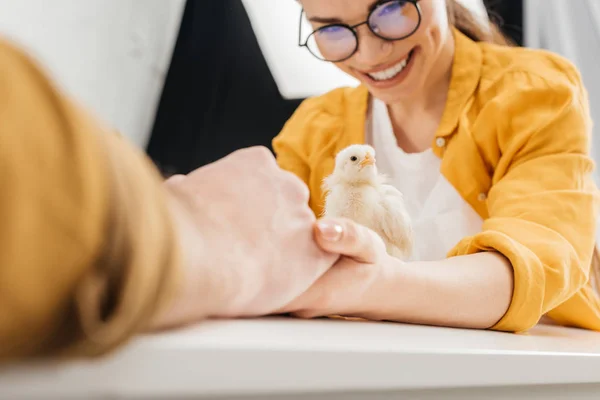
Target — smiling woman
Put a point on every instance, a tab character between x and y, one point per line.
489	144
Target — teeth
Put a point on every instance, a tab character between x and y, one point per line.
390	72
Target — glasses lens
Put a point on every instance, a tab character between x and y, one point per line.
395	19
332	43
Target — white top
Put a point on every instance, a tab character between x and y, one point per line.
292	356
440	216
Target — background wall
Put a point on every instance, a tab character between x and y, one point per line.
113	55
110	54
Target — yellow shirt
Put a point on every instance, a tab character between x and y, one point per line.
88	253
514	140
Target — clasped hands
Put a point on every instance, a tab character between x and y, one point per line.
253	247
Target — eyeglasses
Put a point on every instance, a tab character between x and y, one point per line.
388	20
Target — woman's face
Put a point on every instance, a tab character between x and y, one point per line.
392	70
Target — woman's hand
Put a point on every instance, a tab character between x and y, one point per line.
349	287
472	291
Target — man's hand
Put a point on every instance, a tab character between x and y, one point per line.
247	233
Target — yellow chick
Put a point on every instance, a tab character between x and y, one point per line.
357	191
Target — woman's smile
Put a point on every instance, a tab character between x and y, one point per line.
391	75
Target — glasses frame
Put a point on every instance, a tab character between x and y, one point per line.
353	29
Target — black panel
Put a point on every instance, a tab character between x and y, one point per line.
509	13
219	94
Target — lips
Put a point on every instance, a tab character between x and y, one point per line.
391	72
397	78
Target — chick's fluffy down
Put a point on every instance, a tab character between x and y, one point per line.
357	191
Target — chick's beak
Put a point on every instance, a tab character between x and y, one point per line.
368	160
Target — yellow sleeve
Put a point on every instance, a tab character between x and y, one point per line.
543	204
314	130
289	145
87	250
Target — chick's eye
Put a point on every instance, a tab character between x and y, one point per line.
353	158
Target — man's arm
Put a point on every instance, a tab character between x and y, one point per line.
88	252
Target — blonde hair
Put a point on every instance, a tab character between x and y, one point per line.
467	23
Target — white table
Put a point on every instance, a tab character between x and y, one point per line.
283	358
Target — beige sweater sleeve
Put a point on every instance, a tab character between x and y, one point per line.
88	252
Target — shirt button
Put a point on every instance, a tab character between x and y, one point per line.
440	142
481	197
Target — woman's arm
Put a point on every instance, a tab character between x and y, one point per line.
534	252
472	291
543	202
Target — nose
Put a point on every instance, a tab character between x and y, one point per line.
372	50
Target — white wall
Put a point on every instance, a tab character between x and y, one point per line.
111	55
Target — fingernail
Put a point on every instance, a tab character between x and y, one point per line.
330	231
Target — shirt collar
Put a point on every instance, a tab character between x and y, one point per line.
465	77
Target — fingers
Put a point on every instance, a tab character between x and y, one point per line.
257	155
346	237
174	179
246	159
291	183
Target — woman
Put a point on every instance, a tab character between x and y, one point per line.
488	143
